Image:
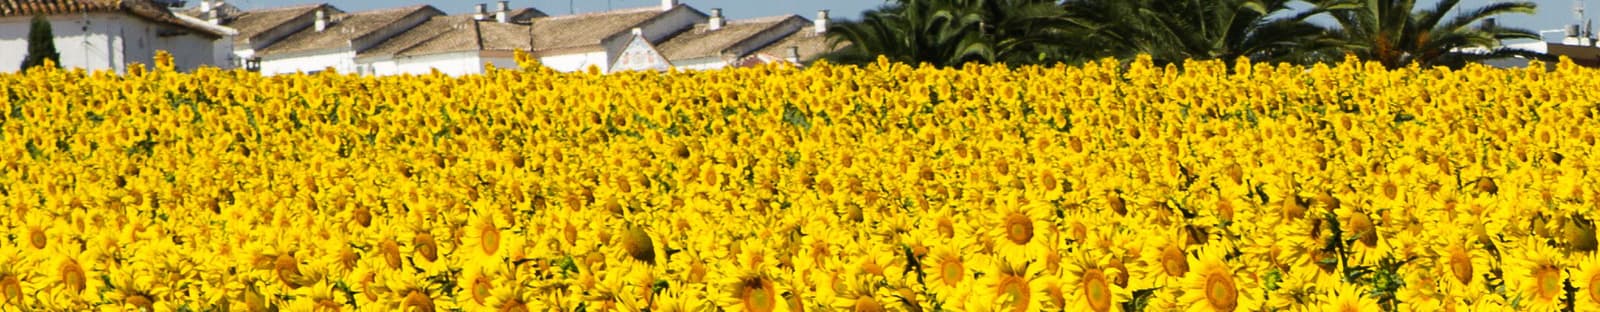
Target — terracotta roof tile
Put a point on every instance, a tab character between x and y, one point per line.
145	9
701	41
341	29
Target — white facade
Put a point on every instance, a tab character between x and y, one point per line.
342	60
107	41
640	55
572	62
453	64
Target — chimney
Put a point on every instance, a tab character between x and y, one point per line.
667	5
1489	24
794	54
716	21
822	22
480	12
639	32
503	14
322	20
205	6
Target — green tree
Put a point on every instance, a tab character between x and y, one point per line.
954	32
1174	31
41	44
1397	34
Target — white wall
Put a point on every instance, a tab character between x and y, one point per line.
454	64
499	62
191	51
342	60
105	41
704	63
89	41
576	62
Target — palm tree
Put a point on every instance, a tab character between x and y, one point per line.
1174	31
954	32
1394	33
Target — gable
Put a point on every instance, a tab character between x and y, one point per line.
640	55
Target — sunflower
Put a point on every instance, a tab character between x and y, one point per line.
1019	230
751	290
862	293
949	268
1537	276
1163	262
1347	297
1466	262
681	297
485	235
1587	280
1011	284
1297	289
1089	283
1214	286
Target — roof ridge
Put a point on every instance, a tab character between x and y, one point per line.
603	13
284	8
764	19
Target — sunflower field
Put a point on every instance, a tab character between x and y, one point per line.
1115	186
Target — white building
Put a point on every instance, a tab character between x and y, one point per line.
576	42
454	45
719	43
800	47
109	35
334	39
257	29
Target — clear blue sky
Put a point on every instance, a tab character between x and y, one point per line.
1553	14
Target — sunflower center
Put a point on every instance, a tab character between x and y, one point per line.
1096	291
491	239
140	301
514	306
37	238
1016	289
481	289
1391	190
417	301
1461	265
72	276
327	305
1220	292
391	252
363	216
952	272
1019	229
867	304
759	295
638	245
288	270
1057	297
1594	287
426	246
1361	225
1174	262
10	289
1549	282
947	227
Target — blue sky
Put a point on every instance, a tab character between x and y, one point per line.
1553	14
